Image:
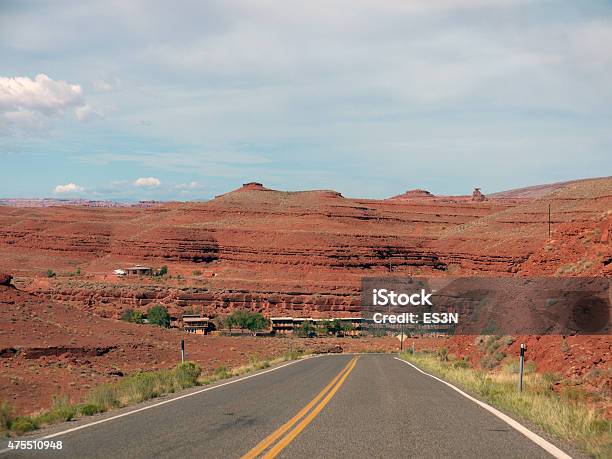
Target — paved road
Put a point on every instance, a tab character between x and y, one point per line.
331	406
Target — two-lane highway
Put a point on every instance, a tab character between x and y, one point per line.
331	406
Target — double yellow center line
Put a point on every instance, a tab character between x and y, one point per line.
302	418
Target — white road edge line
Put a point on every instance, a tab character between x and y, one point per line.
546	445
148	407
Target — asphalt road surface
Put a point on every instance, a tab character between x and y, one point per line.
332	406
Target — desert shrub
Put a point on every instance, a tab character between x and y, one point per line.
197	272
462	363
530	366
143	386
61	411
87	409
130	315
442	354
256	363
162	271
158	315
23	424
551	378
131	389
489	361
186	374
104	397
492	344
293	354
221	372
138	388
5	417
513	367
50	273
508	340
574	394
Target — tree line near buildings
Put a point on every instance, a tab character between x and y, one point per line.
156	315
333	327
245	320
240	319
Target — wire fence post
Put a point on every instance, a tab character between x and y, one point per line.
182	350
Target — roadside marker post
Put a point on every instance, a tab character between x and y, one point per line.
402	336
182	350
521	367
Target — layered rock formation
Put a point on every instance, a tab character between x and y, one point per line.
295	253
412	194
477	195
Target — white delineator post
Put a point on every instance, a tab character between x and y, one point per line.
521	367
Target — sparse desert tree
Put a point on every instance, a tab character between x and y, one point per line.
245	320
130	315
158	315
306	330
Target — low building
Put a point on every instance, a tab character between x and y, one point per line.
282	325
139	270
289	325
193	323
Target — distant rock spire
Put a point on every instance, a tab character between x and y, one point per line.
478	196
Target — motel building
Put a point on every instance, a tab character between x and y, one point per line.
194	323
288	325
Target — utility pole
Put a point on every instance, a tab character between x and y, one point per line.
182	350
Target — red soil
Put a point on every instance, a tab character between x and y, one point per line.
50	349
282	253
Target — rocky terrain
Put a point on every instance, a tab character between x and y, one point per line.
297	253
51	349
277	252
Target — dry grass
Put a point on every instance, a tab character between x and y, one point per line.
129	390
566	417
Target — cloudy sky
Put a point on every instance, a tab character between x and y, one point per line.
142	100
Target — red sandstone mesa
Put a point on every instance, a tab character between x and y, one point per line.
281	253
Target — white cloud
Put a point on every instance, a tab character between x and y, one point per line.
26	102
188	186
147	182
86	113
106	85
69	188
